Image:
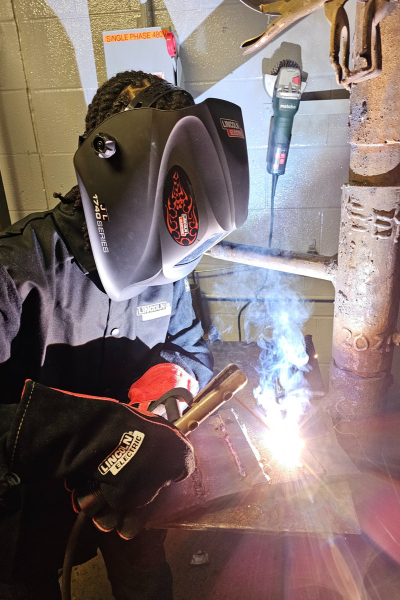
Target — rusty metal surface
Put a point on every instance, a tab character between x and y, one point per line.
339	49
369	51
321	267
368	55
368	278
366	301
375	110
287	12
217	474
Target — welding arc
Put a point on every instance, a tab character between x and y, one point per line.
255	415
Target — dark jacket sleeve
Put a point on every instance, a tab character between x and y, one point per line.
10	312
7	413
184	345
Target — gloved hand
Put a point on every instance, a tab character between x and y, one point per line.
73	439
158	380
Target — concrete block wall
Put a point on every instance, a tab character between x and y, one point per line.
52	60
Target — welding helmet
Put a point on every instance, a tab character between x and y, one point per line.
160	187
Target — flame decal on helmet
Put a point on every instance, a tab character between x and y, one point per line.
180	209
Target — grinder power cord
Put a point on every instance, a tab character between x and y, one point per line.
285	86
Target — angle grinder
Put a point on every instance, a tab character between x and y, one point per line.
285	86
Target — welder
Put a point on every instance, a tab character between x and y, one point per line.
96	322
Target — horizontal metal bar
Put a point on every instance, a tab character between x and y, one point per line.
309	265
266	300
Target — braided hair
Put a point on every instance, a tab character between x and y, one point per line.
111	98
116	93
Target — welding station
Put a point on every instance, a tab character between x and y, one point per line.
248	189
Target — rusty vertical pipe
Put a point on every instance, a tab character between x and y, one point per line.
368	276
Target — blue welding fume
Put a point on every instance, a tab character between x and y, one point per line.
285	87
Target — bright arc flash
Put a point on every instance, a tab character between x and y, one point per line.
285	445
283	438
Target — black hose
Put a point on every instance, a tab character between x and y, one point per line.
273	190
69	555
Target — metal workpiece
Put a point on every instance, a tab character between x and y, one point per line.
322	510
239	484
309	265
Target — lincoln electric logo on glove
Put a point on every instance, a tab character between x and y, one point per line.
126	449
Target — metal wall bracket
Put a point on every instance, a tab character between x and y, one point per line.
371	52
288	12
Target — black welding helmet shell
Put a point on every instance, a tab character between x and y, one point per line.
159	188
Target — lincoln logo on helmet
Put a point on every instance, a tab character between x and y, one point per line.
180	209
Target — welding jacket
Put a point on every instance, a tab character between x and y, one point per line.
58	327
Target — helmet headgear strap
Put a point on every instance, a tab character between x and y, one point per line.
148	97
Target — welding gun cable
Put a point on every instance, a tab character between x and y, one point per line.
80	522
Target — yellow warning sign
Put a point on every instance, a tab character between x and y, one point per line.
138	35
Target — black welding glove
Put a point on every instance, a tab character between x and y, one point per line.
74	440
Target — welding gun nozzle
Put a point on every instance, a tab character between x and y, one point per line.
220	389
